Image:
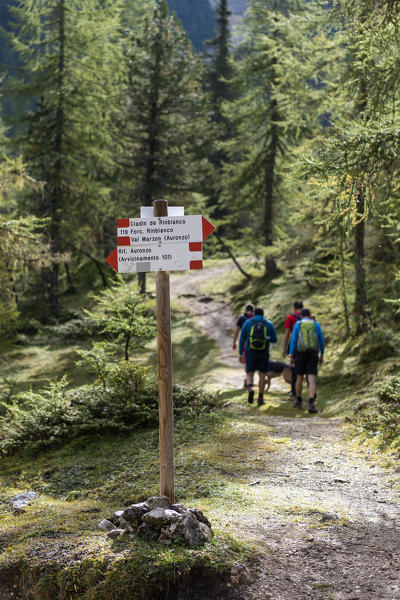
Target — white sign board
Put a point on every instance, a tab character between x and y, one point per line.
156	257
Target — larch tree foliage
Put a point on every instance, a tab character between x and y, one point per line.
22	243
165	116
220	66
219	72
277	105
359	163
69	62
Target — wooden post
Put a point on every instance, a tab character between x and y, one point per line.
165	400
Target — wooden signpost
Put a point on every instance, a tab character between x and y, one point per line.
161	243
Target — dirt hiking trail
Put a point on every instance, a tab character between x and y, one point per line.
334	531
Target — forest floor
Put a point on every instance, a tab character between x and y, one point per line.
332	527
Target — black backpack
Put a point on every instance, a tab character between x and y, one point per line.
258	339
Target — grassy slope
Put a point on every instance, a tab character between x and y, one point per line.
56	545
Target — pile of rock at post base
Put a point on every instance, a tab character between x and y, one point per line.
158	519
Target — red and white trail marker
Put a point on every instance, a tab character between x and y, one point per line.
171	243
156	257
163	230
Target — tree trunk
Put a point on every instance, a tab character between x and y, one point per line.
270	264
360	301
127	342
142	282
343	280
68	275
230	254
56	199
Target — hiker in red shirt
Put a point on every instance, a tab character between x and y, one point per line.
290	322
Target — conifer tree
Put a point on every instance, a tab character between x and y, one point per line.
164	119
358	163
220	69
218	81
277	105
22	242
68	52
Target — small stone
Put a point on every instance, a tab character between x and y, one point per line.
134	513
161	517
111	558
115	517
19	511
207	531
25	497
126	526
180	508
159	502
106	525
146	532
189	529
200	516
115	533
329	517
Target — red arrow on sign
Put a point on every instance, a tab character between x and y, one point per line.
194	228
112	259
207	227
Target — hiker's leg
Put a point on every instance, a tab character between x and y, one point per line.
293	383
261	382
250	388
312	385
299	385
250	378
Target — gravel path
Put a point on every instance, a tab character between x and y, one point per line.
339	538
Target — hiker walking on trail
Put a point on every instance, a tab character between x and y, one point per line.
256	335
306	351
248	313
290	322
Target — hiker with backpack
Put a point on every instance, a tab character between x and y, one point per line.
248	313
290	322
306	351
256	335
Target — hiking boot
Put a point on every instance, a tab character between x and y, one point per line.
311	406
297	403
292	394
260	401
250	398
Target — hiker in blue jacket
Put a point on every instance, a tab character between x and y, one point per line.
255	336
308	345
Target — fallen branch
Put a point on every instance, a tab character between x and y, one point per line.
231	255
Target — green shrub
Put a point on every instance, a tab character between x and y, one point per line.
128	401
382	420
389	391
